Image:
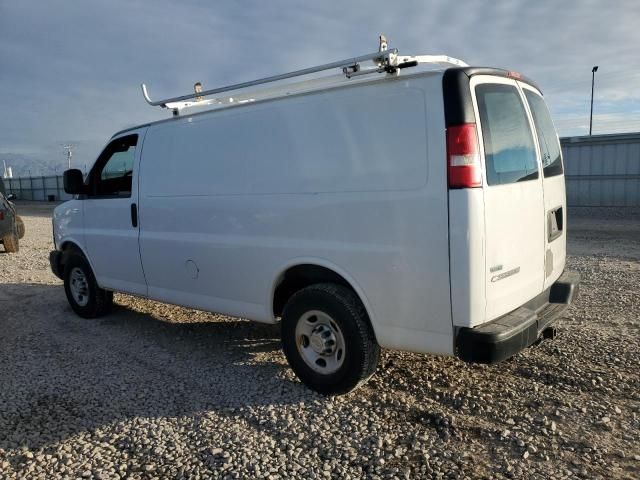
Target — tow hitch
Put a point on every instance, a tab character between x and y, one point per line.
549	333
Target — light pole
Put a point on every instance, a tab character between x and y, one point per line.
593	80
68	148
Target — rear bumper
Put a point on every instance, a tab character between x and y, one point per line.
56	264
503	337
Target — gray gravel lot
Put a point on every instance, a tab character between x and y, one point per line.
157	391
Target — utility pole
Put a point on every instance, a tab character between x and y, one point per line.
68	148
593	80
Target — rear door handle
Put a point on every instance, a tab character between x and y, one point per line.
134	215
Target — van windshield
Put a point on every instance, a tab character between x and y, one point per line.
547	137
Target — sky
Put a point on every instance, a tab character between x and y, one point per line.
70	70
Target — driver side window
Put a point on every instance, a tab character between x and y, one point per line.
113	172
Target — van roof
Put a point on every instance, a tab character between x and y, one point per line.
497	72
457	93
334	82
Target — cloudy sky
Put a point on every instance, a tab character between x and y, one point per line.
70	70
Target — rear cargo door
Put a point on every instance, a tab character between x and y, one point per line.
555	209
513	195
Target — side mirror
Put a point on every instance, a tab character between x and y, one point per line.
73	181
11	196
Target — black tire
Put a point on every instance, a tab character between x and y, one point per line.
97	301
11	244
361	350
20	226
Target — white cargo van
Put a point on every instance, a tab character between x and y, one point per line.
418	204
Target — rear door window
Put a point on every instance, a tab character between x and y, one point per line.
510	153
547	137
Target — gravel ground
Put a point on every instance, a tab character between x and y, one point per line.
157	391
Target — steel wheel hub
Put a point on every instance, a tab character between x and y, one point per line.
320	342
79	287
323	340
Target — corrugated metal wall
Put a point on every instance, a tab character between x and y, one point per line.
37	188
602	170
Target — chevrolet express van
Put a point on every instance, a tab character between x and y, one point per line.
417	205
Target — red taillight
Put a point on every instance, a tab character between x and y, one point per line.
1	215
463	156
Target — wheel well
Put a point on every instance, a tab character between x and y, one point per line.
301	276
66	248
70	246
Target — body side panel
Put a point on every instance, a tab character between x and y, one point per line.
467	258
376	210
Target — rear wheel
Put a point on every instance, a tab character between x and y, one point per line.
19	226
86	298
11	244
328	340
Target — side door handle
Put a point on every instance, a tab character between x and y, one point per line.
134	215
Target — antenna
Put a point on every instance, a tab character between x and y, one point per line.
68	148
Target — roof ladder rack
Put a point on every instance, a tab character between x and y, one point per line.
385	60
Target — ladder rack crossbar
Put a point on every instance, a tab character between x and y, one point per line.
380	57
267	92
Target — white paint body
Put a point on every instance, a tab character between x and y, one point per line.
351	178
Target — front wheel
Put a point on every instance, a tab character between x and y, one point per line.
86	298
328	340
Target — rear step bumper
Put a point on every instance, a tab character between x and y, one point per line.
505	336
